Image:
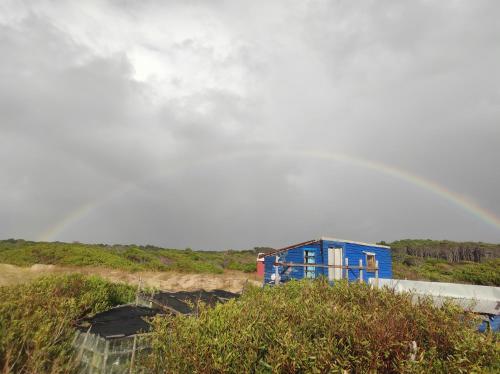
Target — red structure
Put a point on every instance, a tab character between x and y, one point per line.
260	265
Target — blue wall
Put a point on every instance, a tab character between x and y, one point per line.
353	251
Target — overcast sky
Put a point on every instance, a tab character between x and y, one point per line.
219	124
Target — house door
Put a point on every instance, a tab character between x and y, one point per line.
334	258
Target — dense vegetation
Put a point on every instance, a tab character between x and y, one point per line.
37	320
310	327
485	273
446	250
447	261
303	326
126	257
444	261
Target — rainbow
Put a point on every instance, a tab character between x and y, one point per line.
435	188
452	197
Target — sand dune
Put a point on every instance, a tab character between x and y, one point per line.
233	281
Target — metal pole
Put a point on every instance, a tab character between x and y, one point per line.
105	359
346	268
134	346
93	363
376	273
360	271
80	353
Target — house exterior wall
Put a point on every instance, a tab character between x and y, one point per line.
353	251
260	268
295	255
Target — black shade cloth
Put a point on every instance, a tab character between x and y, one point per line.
128	320
120	321
185	302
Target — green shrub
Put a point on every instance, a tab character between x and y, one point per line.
247	268
37	320
129	257
485	273
311	327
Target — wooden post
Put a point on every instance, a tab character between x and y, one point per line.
376	273
276	272
346	268
360	271
134	346
138	291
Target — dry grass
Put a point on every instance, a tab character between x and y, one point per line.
230	280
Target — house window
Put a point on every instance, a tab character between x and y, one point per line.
370	261
309	258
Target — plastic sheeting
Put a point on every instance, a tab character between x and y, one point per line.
98	355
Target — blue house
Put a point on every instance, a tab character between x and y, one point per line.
328	257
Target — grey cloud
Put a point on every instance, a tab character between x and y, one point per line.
211	158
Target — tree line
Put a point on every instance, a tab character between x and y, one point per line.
446	250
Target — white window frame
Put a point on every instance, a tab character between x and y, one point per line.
307	269
368	267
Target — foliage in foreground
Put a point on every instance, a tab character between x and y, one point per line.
37	320
311	327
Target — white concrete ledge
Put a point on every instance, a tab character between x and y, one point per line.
479	299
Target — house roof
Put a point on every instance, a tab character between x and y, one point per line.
323	238
284	249
353	242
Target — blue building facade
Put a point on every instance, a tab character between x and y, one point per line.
324	256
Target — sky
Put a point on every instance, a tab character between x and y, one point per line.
234	124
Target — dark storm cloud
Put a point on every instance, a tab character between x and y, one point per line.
176	123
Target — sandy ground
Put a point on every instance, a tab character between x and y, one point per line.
233	281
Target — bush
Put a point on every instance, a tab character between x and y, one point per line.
311	327
37	320
247	268
484	273
125	257
412	261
